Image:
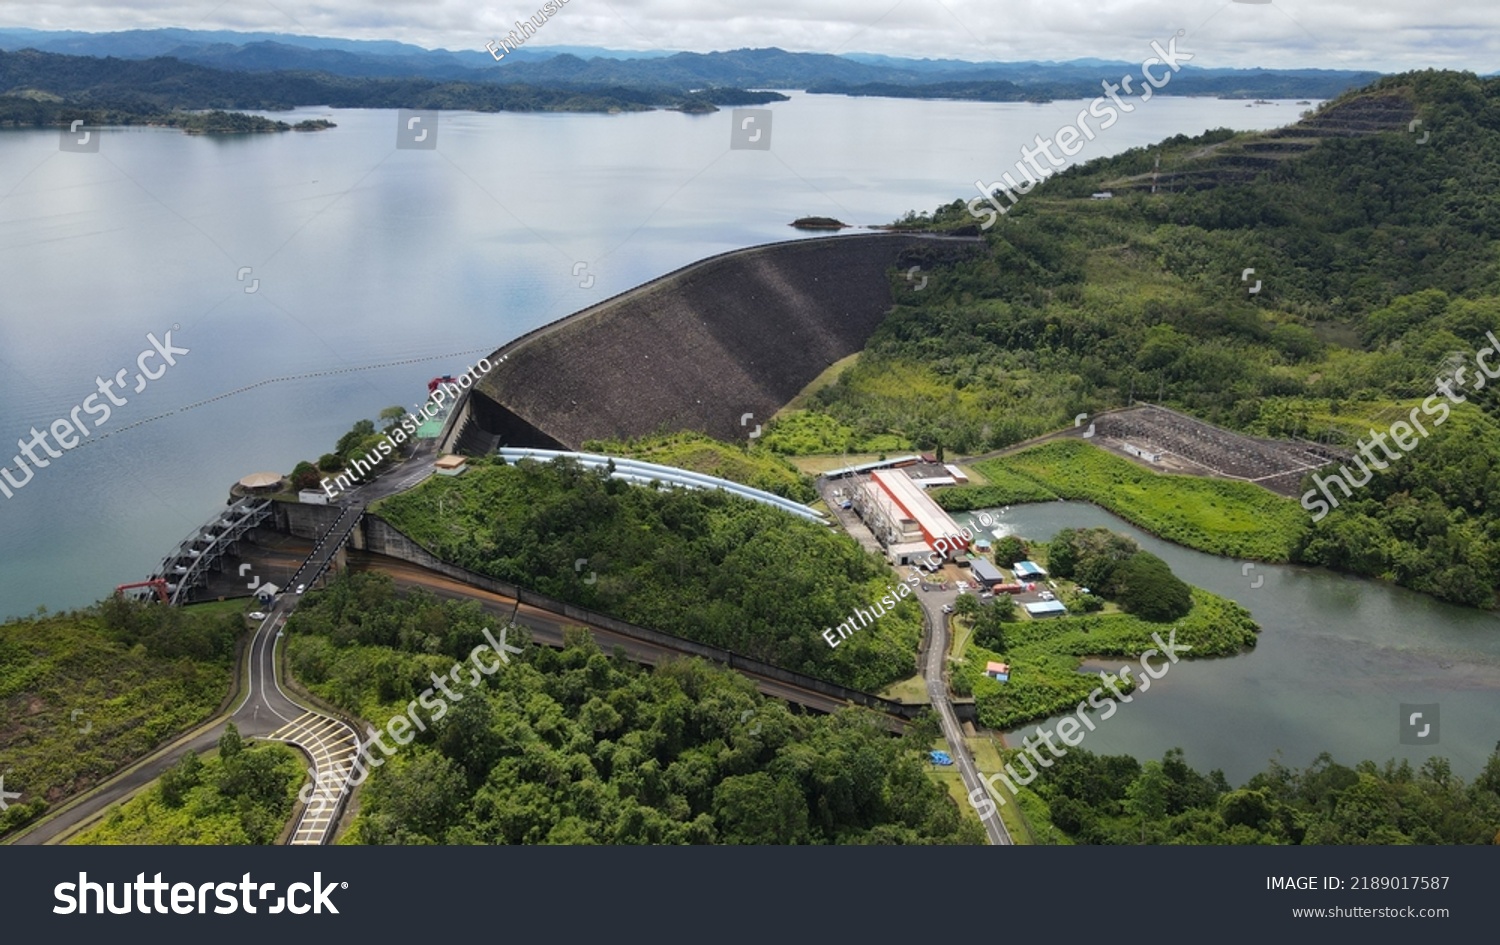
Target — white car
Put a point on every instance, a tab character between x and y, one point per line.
301	588
257	615
947	608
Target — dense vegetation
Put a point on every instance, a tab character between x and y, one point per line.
699	564
704	454
29	111
1044	655
1377	256
1118	800
1115	567
84	693
242	795
577	747
1258	84
50	89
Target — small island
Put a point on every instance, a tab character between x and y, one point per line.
819	223
229	123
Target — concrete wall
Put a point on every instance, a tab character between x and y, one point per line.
304	521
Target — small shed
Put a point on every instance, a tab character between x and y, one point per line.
267	592
450	465
1000	672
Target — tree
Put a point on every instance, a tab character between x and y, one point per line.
305	476
1146	798
392	417
989	626
1145	585
330	462
1003	606
357	433
182	777
756	809
230	743
1010	549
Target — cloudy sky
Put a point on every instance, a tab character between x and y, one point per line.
1389	35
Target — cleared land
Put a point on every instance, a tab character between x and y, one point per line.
1195	448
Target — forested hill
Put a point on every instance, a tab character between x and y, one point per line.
763	68
1372	230
35	87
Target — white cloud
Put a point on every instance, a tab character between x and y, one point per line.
1389	35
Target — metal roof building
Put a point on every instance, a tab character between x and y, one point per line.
1046	608
986	573
930	518
1027	570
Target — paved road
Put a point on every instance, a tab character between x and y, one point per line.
266	711
270	713
934	670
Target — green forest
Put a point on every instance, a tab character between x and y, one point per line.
703	565
1115	799
49	89
578	747
1377	256
84	693
243	794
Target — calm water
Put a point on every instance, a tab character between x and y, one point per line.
1336	658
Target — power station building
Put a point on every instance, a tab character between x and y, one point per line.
904	518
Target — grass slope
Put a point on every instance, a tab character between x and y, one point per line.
1235	519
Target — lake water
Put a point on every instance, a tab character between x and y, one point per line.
1336	658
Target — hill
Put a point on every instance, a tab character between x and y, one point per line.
48	84
764	68
1319	281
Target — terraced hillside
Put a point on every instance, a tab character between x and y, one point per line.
699	348
1239	159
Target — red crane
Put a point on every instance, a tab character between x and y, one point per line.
159	584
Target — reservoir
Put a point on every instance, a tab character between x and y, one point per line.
1336	658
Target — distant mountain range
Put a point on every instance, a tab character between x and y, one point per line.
554	67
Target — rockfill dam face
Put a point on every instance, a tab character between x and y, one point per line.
698	348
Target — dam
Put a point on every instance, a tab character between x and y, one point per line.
697	349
